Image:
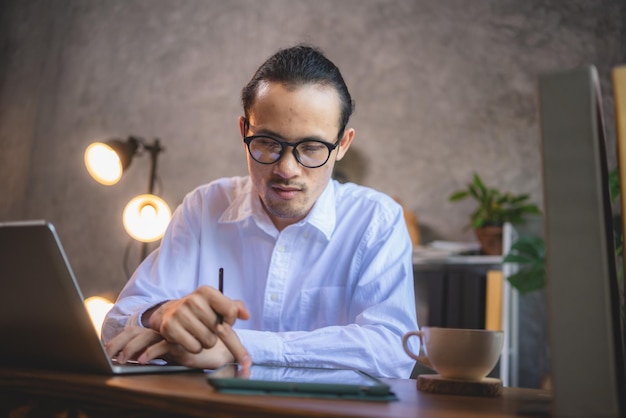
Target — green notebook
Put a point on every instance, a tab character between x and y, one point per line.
309	382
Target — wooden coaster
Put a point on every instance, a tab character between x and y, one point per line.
433	383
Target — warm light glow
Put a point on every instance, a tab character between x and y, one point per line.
146	217
98	307
103	163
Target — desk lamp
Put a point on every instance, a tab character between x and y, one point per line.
146	216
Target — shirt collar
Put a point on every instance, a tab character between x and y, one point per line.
246	204
241	206
323	215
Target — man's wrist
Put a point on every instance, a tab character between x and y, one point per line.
149	319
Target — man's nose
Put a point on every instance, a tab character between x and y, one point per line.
287	166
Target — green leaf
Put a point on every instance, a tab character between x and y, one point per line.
461	194
518	199
478	182
478	221
531	246
528	280
614	184
476	192
531	209
529	253
518	258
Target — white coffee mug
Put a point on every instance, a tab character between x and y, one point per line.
454	353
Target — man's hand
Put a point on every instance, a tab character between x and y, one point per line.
210	358
144	344
131	343
193	324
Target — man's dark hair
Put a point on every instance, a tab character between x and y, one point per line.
297	66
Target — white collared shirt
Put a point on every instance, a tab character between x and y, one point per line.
333	290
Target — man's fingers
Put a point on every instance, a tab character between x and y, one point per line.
192	335
192	322
229	310
154	351
130	342
118	342
231	341
243	312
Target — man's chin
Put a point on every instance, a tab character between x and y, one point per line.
285	211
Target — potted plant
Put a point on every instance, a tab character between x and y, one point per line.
494	209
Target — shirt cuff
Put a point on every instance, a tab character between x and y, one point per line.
137	317
263	347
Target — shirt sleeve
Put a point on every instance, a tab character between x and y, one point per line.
170	272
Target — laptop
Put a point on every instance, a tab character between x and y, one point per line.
43	321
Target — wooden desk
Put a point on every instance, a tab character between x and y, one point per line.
188	394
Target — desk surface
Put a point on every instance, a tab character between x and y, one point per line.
188	394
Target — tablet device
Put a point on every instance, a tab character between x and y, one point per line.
299	381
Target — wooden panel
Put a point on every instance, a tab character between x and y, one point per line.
493	303
619	95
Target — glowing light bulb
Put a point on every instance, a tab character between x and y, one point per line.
146	217
98	307
148	212
103	163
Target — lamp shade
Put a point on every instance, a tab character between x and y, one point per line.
146	217
106	161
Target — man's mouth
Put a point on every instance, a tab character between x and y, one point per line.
286	192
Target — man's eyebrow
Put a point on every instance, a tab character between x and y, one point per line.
268	132
272	134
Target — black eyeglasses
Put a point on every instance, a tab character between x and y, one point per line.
266	149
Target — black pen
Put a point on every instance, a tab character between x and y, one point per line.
220	318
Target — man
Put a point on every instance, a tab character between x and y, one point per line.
316	273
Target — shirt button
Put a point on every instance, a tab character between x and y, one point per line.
281	249
274	297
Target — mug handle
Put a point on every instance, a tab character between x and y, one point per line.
417	357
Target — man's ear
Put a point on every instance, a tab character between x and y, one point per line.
345	142
242	122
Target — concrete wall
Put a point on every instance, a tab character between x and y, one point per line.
442	89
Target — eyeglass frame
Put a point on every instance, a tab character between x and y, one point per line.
284	144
